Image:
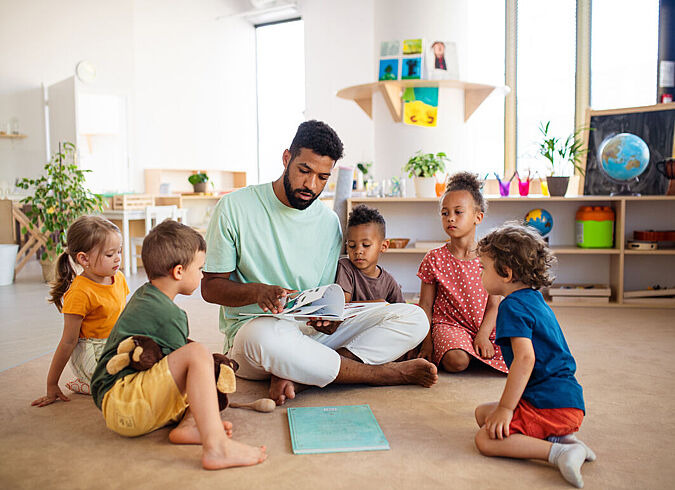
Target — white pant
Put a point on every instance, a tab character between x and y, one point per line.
268	345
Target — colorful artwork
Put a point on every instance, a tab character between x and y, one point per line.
412	46
411	68
441	61
390	48
388	69
420	106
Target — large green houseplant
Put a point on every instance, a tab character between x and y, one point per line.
58	198
422	168
563	156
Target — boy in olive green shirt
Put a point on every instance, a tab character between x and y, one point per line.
180	387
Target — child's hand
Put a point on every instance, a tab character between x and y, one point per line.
427	349
324	326
498	422
484	347
53	392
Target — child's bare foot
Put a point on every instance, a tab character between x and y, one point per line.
187	433
227	453
283	389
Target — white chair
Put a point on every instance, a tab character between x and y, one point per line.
153	216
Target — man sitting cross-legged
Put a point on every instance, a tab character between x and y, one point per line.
267	240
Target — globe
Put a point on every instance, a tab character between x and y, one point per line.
541	220
623	157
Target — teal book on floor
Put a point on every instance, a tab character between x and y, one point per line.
335	429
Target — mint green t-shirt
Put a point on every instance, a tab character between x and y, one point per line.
257	238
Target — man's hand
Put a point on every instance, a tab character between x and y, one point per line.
498	422
483	346
324	326
272	298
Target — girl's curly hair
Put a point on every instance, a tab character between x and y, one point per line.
466	181
521	249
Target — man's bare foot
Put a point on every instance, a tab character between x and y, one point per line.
284	389
226	453
416	371
186	431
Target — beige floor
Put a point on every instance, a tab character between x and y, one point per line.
625	365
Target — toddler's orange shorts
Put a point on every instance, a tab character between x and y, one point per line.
544	422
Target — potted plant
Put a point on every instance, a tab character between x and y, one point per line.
422	168
363	174
59	198
562	156
199	181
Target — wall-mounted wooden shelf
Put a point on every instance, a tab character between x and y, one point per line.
474	94
222	180
13	136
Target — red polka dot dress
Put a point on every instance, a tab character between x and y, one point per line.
459	305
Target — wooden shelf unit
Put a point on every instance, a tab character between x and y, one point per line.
419	219
13	136
222	180
474	94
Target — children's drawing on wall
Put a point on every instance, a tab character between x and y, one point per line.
388	69
412	46
390	48
420	106
411	68
441	61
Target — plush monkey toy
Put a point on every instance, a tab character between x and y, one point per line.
141	353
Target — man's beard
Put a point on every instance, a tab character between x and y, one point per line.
296	202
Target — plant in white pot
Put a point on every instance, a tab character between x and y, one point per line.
562	156
422	168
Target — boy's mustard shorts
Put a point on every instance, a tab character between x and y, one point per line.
144	401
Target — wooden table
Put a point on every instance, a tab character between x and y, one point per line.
125	216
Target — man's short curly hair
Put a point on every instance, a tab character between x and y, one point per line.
318	137
362	215
521	249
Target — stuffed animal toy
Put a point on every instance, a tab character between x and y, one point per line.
141	353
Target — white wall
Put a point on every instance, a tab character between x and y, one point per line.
194	87
339	52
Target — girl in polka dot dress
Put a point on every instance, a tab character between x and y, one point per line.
462	314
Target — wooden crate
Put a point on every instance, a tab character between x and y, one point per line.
132	201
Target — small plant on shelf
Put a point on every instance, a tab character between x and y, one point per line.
425	165
563	156
199	181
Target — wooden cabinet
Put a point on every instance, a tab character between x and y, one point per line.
419	220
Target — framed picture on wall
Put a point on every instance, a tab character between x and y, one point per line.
440	61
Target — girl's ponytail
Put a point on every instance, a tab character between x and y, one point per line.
64	277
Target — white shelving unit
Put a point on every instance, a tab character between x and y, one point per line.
622	269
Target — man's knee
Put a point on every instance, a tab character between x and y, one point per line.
261	336
416	319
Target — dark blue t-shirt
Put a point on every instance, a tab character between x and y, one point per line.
552	384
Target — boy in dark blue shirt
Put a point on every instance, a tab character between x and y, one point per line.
542	404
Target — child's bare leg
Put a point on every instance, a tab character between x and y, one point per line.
482	411
192	368
186	431
567	457
455	361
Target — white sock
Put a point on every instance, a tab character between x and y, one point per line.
572	439
568	458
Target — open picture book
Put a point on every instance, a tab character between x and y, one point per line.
323	303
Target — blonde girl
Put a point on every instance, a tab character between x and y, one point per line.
90	302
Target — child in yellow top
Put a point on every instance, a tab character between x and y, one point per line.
90	302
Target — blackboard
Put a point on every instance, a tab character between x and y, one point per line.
654	124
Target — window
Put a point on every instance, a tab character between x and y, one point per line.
624	53
280	64
545	68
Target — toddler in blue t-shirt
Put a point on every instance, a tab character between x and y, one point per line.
542	404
